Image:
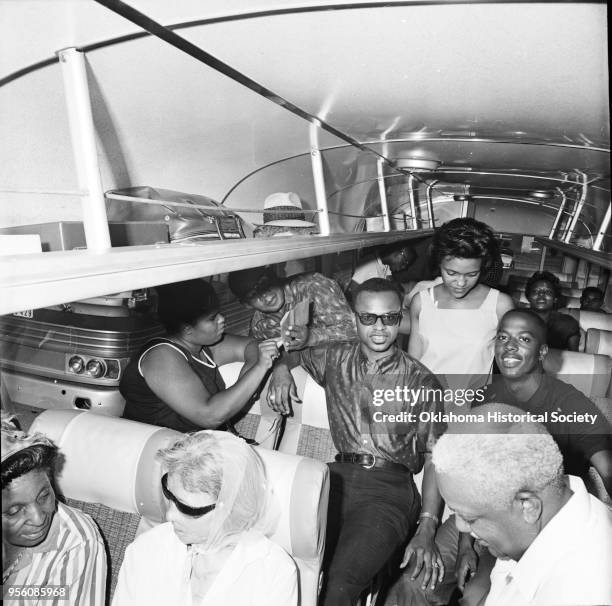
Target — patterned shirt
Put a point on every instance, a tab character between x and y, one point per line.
72	555
360	393
331	318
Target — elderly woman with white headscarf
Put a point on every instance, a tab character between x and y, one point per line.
212	549
51	553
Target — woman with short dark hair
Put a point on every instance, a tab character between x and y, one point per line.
543	291
175	382
453	323
45	543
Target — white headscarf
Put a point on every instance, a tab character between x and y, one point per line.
243	492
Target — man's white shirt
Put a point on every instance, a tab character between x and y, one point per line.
568	564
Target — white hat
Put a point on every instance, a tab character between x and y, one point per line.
279	202
14	440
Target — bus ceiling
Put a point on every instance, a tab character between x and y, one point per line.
350	104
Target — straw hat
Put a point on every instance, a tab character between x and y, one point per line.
275	204
14	440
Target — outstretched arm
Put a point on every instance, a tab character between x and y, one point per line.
415	343
422	546
171	378
504	304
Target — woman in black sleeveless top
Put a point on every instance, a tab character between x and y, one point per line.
175	382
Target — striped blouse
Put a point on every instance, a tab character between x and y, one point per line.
72	555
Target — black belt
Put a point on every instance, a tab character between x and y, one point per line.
368	461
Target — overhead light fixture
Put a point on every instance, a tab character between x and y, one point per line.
418	163
542	194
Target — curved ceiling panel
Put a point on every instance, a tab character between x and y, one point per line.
451	78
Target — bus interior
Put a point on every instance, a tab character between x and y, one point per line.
141	138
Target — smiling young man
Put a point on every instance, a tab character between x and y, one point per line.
577	425
520	345
580	430
374	504
505	483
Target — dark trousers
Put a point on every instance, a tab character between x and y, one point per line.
371	514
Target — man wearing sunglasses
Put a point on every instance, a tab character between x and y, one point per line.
374	504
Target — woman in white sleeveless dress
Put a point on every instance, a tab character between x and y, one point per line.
453	324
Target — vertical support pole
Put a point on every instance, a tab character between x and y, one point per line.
543	258
579	205
575	271
587	274
319	181
432	222
559	215
83	137
603	229
412	204
382	192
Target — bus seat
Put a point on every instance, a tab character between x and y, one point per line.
258	422
307	431
571	292
598	341
587	372
109	470
571	302
522	276
515	280
590	319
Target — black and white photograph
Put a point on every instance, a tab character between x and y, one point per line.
305	303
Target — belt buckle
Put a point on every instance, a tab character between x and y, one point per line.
373	463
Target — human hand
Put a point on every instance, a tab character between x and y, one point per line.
267	353
282	390
427	559
467	564
295	337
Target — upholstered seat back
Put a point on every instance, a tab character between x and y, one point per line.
599	341
112	461
590	319
306	431
257	421
589	373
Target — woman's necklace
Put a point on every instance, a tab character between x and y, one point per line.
200	356
7	573
207	361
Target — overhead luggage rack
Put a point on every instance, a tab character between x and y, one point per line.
55	277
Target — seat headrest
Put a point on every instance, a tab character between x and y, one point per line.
112	461
108	460
589	373
299	485
599	341
590	319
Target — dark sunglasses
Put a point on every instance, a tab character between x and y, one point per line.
387	319
193	512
